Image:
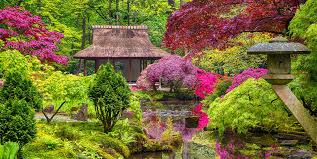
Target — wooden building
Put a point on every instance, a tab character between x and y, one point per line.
128	48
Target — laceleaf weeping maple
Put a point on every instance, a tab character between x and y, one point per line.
22	31
211	23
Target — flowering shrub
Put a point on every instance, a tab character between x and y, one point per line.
206	83
26	33
176	71
255	73
172	70
143	83
203	117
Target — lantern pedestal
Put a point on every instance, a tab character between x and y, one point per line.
279	52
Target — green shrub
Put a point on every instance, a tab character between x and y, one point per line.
220	90
108	142
17	86
123	131
111	95
9	150
13	61
17	122
252	104
65	132
58	87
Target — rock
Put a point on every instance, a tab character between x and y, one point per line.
301	154
127	114
49	109
289	142
74	109
82	114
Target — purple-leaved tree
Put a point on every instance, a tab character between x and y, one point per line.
27	33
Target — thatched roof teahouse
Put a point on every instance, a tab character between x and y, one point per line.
128	48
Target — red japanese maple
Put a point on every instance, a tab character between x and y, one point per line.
211	23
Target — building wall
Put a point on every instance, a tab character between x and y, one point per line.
123	66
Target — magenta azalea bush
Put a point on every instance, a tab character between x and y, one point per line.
203	117
255	73
26	33
206	83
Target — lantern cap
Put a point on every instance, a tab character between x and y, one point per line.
279	45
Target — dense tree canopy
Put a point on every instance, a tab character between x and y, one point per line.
203	23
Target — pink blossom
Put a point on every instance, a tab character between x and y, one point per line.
206	83
255	73
37	40
203	117
170	69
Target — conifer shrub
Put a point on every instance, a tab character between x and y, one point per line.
18	87
111	96
17	122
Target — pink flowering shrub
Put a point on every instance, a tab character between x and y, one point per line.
143	83
203	117
206	83
172	70
26	33
176	71
255	73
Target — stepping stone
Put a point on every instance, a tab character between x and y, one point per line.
289	142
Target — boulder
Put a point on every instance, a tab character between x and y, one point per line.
49	109
82	114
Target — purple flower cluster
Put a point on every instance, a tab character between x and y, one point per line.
170	69
30	35
255	73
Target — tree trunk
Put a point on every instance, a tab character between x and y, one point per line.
128	10
110	8
83	39
117	12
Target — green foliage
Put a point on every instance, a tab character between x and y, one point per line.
252	104
233	60
304	26
135	104
111	95
17	122
74	140
123	131
57	87
17	86
9	150
220	90
13	61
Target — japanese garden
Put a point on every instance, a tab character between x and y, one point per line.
158	79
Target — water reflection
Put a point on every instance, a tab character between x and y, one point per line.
207	145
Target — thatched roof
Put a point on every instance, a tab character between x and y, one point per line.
121	42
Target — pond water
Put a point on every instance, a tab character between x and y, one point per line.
198	144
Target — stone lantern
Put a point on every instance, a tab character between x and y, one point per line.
279	52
